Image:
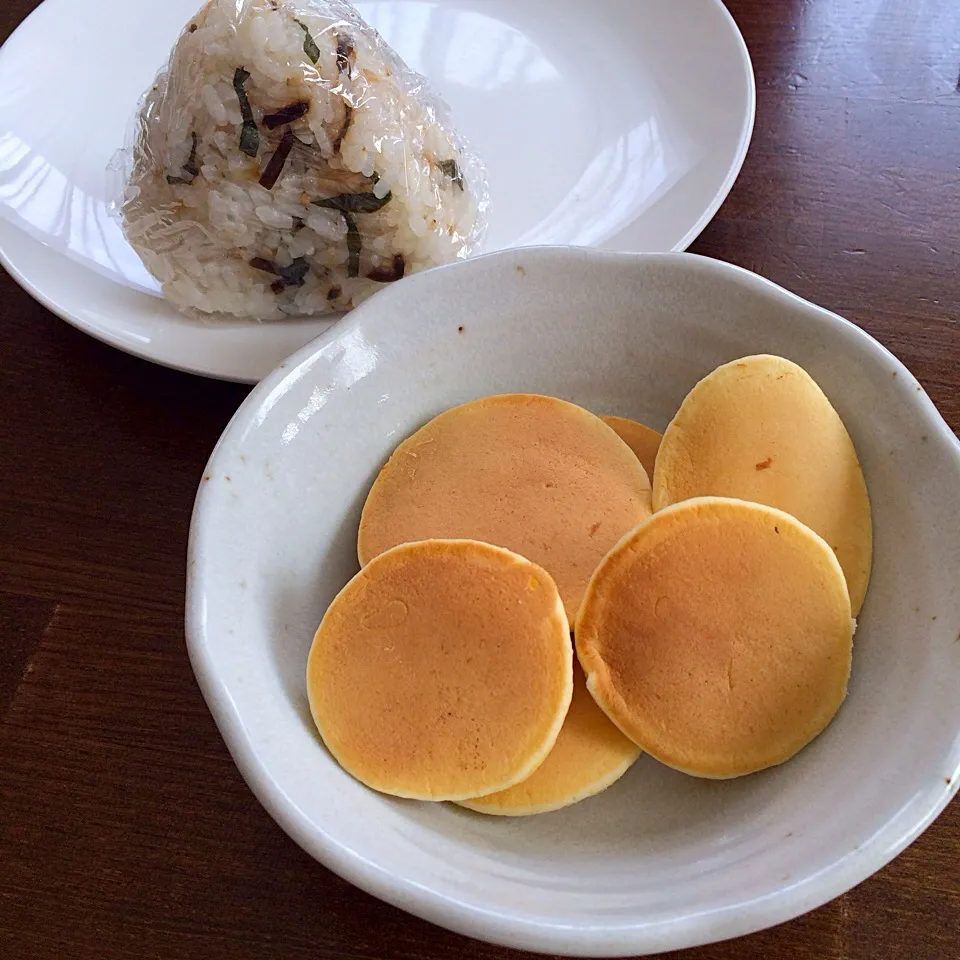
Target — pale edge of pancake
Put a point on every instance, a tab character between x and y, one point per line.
624	427
587	791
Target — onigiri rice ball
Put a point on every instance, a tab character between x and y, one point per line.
287	163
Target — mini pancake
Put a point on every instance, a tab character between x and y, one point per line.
442	671
534	474
718	636
761	429
590	755
643	441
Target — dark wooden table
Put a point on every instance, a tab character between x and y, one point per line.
125	830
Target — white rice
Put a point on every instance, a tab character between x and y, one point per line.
207	222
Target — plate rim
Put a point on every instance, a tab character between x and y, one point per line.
9	260
640	939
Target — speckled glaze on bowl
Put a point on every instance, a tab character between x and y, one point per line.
660	861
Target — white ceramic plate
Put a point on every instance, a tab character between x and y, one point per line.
615	124
660	861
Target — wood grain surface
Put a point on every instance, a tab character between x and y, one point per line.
125	830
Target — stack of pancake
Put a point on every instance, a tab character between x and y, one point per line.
712	612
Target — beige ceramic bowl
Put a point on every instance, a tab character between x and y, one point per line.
661	860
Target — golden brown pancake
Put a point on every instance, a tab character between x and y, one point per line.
540	476
590	755
761	429
442	671
718	636
643	441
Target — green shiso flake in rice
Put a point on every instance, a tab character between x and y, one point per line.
287	163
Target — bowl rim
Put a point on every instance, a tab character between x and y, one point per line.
621	940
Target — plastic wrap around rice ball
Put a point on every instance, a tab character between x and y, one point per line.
287	163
